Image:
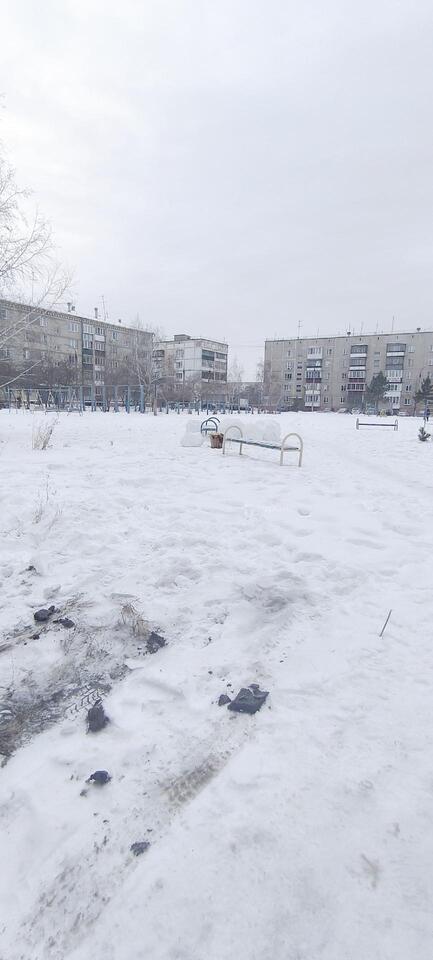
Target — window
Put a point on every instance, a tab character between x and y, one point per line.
88	328
359	348
114	337
288	376
376	363
430	363
408	388
73	326
73	344
72	359
411	350
3	313
344	376
407	401
220	356
329	352
325	400
87	359
99	331
99	345
289	353
410	362
43	322
290	365
5	353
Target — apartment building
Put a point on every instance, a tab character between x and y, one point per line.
332	373
48	347
188	360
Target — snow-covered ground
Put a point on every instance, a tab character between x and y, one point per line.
303	832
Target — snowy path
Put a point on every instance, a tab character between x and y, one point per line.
301	833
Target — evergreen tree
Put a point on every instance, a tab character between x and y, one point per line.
424	392
377	389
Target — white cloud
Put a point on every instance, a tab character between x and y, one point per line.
230	168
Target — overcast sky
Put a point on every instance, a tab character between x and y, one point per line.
231	168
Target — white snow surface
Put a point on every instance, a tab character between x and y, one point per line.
300	833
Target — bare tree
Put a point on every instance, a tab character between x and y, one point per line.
234	381
28	267
154	373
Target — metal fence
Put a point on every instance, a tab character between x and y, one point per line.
104	398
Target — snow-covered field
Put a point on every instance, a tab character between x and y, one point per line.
300	833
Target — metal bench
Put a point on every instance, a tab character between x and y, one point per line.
210	425
267	445
386	423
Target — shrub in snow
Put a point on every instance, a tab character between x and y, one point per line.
423	435
42	433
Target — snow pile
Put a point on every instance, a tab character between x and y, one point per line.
253	429
180	828
192	436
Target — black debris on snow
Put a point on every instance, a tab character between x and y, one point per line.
223	699
41	616
249	699
154	642
65	622
140	846
100	777
96	718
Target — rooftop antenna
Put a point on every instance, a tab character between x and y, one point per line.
299	328
392	325
104	307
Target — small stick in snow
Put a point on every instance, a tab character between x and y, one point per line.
385	625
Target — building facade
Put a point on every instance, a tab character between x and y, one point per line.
332	373
49	348
192	365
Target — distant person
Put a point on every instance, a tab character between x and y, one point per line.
427	414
